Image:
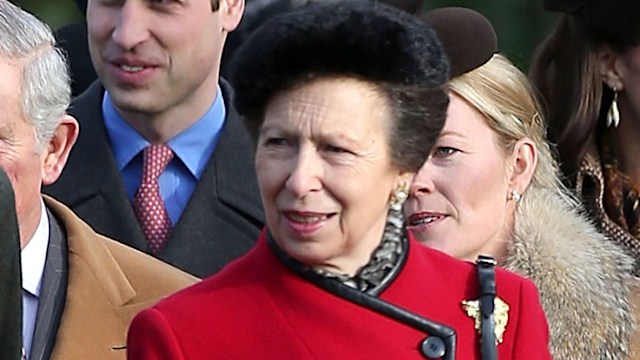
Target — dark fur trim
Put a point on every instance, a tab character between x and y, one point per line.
360	39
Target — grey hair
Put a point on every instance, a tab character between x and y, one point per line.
46	84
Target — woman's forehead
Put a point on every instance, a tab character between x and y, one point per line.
333	109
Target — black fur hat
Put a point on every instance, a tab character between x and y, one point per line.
467	36
257	12
356	38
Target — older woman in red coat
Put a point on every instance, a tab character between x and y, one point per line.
346	100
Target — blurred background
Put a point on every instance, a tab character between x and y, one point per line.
520	24
56	13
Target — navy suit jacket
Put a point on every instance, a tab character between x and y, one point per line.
222	219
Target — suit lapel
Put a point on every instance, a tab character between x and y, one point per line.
226	197
234	160
52	294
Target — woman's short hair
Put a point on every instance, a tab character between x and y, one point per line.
369	41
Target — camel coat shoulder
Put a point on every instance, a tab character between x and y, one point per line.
109	283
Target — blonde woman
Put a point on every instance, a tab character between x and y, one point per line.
491	186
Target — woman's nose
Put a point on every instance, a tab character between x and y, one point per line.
306	175
422	183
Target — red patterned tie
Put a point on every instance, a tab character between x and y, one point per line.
147	203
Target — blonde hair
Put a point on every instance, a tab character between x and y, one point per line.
503	94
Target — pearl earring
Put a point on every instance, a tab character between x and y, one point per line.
516	196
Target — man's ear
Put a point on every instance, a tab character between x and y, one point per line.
56	151
525	159
231	11
608	61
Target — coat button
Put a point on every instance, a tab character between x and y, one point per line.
432	347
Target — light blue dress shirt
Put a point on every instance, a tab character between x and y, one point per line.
192	150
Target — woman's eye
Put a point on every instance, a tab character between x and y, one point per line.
336	149
444	151
274	141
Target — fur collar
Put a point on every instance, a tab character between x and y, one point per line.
584	280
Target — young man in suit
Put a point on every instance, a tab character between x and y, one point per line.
79	289
159	94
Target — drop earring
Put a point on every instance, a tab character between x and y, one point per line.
398	197
394	227
613	115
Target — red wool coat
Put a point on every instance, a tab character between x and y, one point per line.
257	308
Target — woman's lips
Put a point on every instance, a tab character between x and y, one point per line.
306	223
424	220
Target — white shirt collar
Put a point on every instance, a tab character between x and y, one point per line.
34	255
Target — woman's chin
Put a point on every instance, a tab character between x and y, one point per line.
425	236
301	247
312	255
433	242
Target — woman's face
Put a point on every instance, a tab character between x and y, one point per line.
458	201
325	172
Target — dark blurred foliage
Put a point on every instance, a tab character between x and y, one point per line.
56	13
520	24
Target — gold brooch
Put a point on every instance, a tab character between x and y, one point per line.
500	316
